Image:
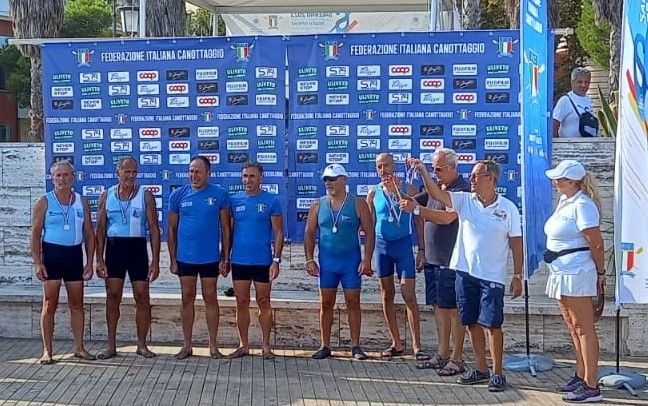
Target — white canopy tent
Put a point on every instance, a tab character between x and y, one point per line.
310	6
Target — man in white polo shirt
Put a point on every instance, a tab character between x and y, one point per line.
489	225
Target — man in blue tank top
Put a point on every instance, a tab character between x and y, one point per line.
126	213
336	220
394	252
199	244
256	217
61	226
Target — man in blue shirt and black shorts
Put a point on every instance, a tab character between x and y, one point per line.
199	245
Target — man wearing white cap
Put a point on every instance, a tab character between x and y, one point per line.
336	219
576	258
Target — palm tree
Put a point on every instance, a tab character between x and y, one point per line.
166	18
611	11
470	15
513	12
36	19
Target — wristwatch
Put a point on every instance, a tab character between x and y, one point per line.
276	260
417	210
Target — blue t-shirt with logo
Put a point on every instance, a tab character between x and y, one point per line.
199	227
252	232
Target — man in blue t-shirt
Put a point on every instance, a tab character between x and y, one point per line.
256	216
199	244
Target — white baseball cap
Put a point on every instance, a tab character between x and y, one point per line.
567	168
334	170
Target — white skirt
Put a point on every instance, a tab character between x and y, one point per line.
580	284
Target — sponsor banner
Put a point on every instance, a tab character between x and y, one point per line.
163	101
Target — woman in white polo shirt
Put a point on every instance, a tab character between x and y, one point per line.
575	257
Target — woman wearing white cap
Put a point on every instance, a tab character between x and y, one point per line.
576	259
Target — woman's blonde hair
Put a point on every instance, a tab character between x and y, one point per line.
589	186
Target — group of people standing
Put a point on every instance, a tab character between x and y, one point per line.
464	229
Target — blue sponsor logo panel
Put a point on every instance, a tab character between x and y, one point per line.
162	102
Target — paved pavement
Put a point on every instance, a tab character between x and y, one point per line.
292	378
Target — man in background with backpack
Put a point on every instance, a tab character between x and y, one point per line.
574	115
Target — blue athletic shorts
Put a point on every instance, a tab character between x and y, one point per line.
440	286
479	301
395	255
334	270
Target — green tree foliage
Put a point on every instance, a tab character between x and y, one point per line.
15	70
594	39
199	23
493	15
569	12
87	19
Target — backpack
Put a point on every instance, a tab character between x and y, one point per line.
587	122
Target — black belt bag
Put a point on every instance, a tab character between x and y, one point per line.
551	256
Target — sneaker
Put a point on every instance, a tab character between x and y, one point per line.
497	383
473	377
358	354
323	352
584	394
572	385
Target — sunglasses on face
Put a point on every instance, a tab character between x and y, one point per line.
331	178
438	169
478	175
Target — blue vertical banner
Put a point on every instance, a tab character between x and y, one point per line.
354	96
163	101
536	148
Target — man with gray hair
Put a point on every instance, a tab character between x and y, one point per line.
440	234
573	115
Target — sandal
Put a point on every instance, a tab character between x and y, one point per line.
238	353
45	360
184	353
106	354
452	368
145	352
437	362
268	355
421	355
391	352
85	355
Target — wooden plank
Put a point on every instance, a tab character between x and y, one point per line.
196	383
234	383
213	378
245	379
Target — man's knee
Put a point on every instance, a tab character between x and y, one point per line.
327	303
353	303
50	304
263	302
242	302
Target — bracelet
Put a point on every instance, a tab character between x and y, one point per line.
517	275
308	261
600	273
421	250
225	261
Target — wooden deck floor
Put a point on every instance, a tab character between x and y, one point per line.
293	378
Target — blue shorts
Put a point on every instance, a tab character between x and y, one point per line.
479	301
396	254
334	270
440	286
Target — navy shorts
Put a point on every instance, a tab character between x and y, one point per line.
63	262
440	286
256	273
479	301
336	270
395	255
208	270
127	254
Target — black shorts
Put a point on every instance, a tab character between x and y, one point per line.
63	262
256	273
208	270
127	254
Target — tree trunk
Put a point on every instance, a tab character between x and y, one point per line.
36	19
470	15
616	18
166	18
513	12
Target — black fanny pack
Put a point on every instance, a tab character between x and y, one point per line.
551	256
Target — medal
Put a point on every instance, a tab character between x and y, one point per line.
390	219
66	227
124	208
334	229
65	212
335	217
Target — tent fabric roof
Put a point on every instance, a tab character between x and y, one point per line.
309	6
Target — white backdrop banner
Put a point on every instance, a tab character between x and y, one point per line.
631	179
320	23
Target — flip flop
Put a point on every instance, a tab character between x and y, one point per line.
106	354
391	352
452	368
85	356
146	353
421	355
215	354
268	355
184	353
238	353
435	363
46	361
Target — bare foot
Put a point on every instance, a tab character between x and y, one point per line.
46	359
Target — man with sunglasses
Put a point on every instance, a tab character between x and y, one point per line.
489	225
394	253
440	233
336	220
